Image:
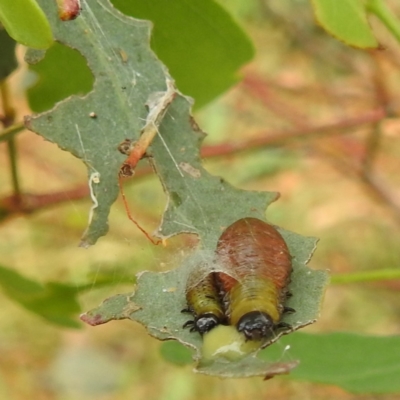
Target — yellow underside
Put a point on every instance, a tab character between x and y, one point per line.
253	294
204	299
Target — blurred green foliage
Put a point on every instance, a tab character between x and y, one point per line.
8	60
60	74
26	23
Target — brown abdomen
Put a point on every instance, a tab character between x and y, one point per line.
258	267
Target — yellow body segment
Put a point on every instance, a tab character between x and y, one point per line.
256	273
203	298
253	294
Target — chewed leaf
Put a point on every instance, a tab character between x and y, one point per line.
134	98
126	74
198	203
160	297
114	308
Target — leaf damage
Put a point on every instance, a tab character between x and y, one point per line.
160	297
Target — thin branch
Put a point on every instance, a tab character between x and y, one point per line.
8	133
261	90
380	193
371	148
370	181
7	119
28	203
280	137
31	202
8	114
382	99
12	154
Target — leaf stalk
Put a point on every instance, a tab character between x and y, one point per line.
366	276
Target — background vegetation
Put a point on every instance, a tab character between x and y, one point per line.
313	119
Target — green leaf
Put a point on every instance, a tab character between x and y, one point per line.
357	363
54	302
8	60
198	41
61	73
380	9
346	20
26	23
126	73
175	353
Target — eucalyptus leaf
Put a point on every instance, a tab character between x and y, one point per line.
357	363
26	23
126	73
346	20
133	96
175	353
55	302
199	42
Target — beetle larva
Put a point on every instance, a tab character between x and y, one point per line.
204	303
258	268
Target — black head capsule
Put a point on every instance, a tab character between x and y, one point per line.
255	325
203	323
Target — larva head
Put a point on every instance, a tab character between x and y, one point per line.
255	325
205	323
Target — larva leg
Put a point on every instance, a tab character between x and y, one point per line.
283	325
288	310
188	324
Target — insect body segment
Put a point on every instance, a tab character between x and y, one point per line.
253	294
257	266
204	303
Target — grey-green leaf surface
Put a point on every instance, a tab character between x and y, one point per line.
126	73
357	363
199	42
8	60
346	20
159	297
